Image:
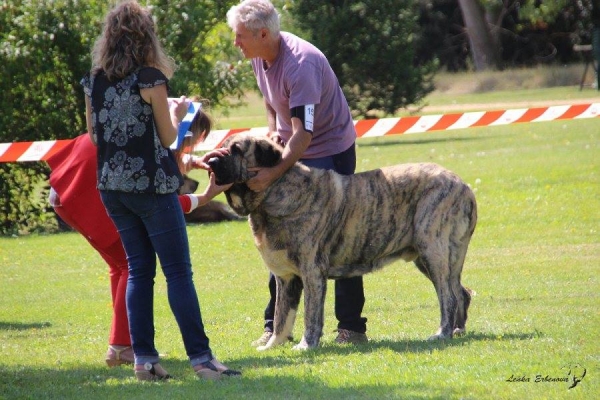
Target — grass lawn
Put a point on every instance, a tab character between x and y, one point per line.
534	263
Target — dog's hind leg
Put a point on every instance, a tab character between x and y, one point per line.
286	306
460	237
438	274
460	321
462	294
315	287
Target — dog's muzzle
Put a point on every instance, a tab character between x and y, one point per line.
224	169
227	170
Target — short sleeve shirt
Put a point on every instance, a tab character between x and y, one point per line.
131	157
301	75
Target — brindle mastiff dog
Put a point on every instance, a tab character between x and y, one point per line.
312	225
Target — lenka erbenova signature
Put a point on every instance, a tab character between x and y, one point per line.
574	374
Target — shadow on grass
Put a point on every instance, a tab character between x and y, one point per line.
19	326
273	358
118	383
258	382
262	376
403	346
420	346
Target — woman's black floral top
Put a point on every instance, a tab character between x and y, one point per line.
130	155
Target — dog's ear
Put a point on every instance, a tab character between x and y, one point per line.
267	153
227	141
236	148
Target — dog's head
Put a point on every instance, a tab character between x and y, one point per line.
245	152
189	185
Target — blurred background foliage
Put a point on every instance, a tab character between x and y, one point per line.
385	53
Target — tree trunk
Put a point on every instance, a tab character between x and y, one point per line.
483	46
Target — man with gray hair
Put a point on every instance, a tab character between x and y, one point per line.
308	114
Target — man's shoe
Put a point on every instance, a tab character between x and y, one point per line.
350	337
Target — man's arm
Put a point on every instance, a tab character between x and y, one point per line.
271	117
292	152
272	125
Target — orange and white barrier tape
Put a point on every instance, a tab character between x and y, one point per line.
40	151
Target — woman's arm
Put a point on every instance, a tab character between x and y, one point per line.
88	119
166	120
191	201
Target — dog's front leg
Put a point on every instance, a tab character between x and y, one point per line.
286	305
315	287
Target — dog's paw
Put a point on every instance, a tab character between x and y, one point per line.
439	336
301	346
459	332
274	340
433	338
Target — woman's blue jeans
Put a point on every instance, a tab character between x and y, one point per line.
152	225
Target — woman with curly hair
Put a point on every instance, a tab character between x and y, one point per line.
129	118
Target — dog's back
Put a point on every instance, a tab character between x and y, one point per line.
312	224
373	217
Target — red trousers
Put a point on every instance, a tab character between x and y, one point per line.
73	177
115	257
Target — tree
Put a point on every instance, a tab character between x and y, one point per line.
370	46
484	48
484	20
196	35
43	53
45	50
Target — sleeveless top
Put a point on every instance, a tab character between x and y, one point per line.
130	156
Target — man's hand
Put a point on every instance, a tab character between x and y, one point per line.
274	136
263	179
292	152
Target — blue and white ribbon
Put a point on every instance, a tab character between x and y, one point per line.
184	125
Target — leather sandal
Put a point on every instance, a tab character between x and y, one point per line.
151	372
118	355
207	370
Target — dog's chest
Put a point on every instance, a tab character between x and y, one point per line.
276	260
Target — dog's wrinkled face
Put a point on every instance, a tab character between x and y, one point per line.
245	152
224	169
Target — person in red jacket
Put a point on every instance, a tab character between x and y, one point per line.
76	200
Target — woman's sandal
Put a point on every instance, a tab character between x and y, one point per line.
151	372
118	355
207	370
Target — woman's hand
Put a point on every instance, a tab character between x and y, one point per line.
179	108
212	190
202	162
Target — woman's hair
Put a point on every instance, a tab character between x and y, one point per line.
254	15
199	128
128	42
